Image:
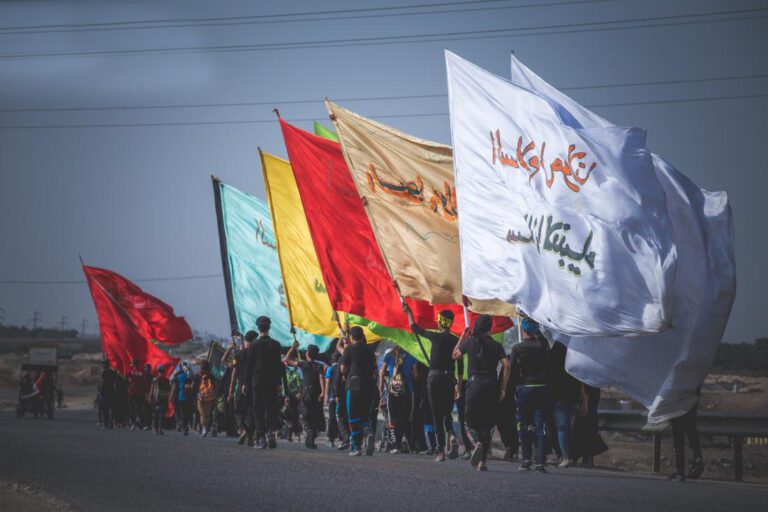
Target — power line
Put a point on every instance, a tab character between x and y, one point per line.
260	16
258	20
597	26
139	280
370	98
382	116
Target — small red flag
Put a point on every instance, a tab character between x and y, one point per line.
130	319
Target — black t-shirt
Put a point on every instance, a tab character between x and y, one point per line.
360	362
264	362
311	373
529	362
483	355
337	381
562	385
441	353
108	382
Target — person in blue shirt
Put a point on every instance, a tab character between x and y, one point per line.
334	432
184	390
400	366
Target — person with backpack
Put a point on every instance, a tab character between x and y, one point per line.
289	414
159	395
529	371
205	384
484	392
358	365
443	380
262	382
399	365
312	393
184	390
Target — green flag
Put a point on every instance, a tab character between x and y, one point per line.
326	133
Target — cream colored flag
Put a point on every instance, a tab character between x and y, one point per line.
407	187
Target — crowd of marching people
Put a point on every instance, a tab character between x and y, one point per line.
263	395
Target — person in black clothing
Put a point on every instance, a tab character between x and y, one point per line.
358	365
148	408
507	423
262	381
586	435
682	427
568	398
312	391
443	381
529	367
483	390
159	393
107	391
243	405
340	410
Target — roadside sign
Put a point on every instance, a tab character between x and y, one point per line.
42	356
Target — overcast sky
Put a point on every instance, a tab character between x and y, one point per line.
138	199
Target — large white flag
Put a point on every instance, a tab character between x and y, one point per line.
569	224
662	371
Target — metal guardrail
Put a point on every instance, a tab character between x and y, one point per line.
735	426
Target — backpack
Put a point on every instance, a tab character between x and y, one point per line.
396	380
293	382
207	391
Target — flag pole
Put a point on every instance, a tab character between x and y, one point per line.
224	252
332	116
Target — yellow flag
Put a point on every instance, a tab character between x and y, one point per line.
408	188
305	291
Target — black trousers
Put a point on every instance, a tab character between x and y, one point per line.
682	427
342	418
333	432
460	407
105	409
187	410
440	389
158	415
311	411
507	424
400	416
266	406
136	409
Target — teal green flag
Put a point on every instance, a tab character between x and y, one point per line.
257	283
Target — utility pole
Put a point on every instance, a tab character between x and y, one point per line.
63	323
83	326
36	317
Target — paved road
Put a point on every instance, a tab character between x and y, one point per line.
93	469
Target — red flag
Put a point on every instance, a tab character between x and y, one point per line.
125	332
152	318
353	268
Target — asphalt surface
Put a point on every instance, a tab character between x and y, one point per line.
72	460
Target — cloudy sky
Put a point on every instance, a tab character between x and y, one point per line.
114	115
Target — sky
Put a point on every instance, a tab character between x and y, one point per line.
85	172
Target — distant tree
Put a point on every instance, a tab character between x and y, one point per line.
748	358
